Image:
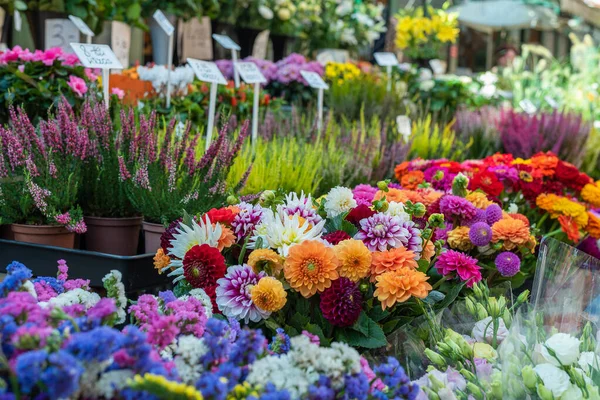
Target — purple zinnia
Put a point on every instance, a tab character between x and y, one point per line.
341	302
508	263
233	294
364	194
382	231
244	222
479	216
480	234
493	214
453	206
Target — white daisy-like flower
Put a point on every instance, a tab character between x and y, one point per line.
187	237
339	200
282	231
396	209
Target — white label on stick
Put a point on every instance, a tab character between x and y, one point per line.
333	55
314	80
82	26
226	42
120	40
60	32
386	59
96	56
250	73
527	106
164	23
18	21
207	71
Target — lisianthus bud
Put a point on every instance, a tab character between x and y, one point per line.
522	297
468	375
435	358
481	312
530	379
470	306
436	384
496	392
544	392
494	307
431	395
459	185
475	391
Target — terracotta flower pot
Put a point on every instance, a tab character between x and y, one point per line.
152	234
113	235
49	235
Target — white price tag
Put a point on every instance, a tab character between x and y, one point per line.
438	66
60	33
96	56
314	80
164	23
551	102
226	42
527	106
250	73
18	21
120	40
386	59
207	71
82	26
404	127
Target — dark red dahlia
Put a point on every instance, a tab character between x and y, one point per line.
488	182
222	215
203	265
359	212
336	237
341	303
167	236
566	172
581	181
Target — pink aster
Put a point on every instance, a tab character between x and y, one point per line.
451	262
77	85
381	232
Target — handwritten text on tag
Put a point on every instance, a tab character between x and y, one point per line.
314	80
96	56
207	71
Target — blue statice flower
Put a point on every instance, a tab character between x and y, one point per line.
96	345
356	387
137	350
321	390
131	394
281	342
272	393
216	385
29	367
234	329
7	396
54	283
8	327
17	275
398	385
167	296
249	345
217	340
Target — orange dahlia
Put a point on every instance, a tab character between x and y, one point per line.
161	260
392	260
546	201
265	260
591	194
354	259
268	294
399	195
310	267
512	232
428	251
398	286
401	169
521	217
412	180
227	238
593	226
458	238
479	200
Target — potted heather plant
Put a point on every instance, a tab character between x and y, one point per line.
113	223
165	174
40	175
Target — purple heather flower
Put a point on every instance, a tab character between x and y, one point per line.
233	294
246	220
480	234
493	214
364	194
382	231
508	263
289	73
453	206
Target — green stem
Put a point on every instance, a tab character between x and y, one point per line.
439	283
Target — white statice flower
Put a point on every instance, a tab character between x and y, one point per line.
116	290
186	357
486	325
72	297
281	231
589	360
281	372
555	379
265	12
29	288
111	383
396	209
187	237
339	200
565	348
427	85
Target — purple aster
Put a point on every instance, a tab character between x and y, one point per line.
493	214
480	234
413	241
382	231
508	263
454	206
249	216
364	194
233	294
288	73
479	216
293	58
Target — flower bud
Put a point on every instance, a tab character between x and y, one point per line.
431	395
522	297
496	390
481	312
435	358
475	391
426	234
477	291
436	220
529	377
383	185
419	210
436	384
544	392
588	342
459	185
231	200
494	307
507	317
470	306
468	375
438	176
267	196
577	377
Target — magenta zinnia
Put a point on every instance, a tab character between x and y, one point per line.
382	231
233	294
454	262
454	206
341	302
203	265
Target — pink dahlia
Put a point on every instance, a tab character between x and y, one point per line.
465	267
77	85
246	220
364	194
454	206
341	302
233	294
381	232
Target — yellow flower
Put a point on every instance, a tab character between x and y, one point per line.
354	259
591	194
159	385
479	200
161	260
572	209
484	350
458	238
242	391
265	260
447	34
268	294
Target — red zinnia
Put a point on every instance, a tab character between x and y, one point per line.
359	212
341	302
581	181
222	215
203	265
488	182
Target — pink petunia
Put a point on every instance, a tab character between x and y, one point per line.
77	85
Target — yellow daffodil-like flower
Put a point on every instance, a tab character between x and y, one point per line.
161	387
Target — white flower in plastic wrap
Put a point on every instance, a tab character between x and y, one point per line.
339	200
572	393
396	209
486	325
565	348
589	360
265	12
554	378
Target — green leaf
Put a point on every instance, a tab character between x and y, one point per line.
316	330
134	11
377	314
20	5
434	297
272	325
450	296
423	265
364	333
299	321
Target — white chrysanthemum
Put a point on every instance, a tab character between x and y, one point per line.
282	231
339	200
396	209
300	205
72	297
186	238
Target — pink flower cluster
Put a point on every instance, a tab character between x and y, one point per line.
47	57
